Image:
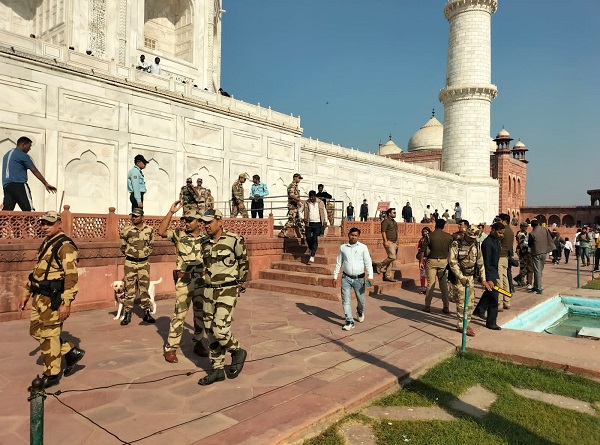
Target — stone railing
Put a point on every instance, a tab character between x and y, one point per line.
24	226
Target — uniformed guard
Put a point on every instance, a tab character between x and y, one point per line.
189	279
53	287
137	241
226	263
136	185
237	197
201	192
465	258
188	195
293	206
210	200
525	277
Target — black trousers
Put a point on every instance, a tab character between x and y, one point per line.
256	208
17	193
134	203
488	302
363	217
568	252
313	230
597	258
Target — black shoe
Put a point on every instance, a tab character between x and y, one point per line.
148	317
216	375
494	327
50	380
72	357
238	357
126	319
200	350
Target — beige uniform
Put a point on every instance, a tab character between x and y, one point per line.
136	245
237	200
293	214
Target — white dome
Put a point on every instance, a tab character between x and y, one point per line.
429	136
389	148
503	134
519	144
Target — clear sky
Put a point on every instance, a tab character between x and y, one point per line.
358	70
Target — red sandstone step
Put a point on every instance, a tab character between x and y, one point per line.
321	250
312	279
303	290
298	257
296	266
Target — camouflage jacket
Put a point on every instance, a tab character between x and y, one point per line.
210	202
67	270
200	194
465	258
189	250
188	195
237	192
226	259
137	243
522	243
293	190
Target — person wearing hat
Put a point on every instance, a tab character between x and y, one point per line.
202	196
258	192
136	186
52	286
237	197
293	205
525	277
137	241
188	196
210	200
15	164
188	276
226	265
465	259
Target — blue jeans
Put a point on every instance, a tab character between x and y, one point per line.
585	253
358	284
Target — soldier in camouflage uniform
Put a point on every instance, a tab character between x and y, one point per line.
210	200
137	241
293	206
465	258
201	191
226	263
188	196
525	277
189	279
53	287
237	197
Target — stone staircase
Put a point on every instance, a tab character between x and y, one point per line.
292	274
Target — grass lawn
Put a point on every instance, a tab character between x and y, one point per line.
513	419
592	284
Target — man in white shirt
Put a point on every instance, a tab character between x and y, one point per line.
155	67
354	258
314	222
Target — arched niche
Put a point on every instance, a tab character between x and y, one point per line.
158	198
568	221
168	28
87	185
43	18
554	219
541	218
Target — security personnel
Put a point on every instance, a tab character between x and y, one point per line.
201	192
226	263
210	200
435	261
137	241
465	258
389	234
188	195
506	251
53	286
136	185
189	279
525	277
293	205
237	197
463	225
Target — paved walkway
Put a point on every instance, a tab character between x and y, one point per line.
302	370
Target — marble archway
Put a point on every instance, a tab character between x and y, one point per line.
168	28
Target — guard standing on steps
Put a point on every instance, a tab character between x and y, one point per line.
189	279
226	262
389	233
294	203
237	197
137	241
53	286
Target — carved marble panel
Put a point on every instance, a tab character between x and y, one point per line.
22	96
88	110
282	150
244	142
152	123
202	133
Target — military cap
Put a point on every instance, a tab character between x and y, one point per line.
298	175
188	180
211	214
137	212
244	175
473	231
192	213
50	217
141	158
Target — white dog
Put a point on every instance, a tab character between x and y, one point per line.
119	288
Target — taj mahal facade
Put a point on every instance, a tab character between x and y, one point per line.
69	80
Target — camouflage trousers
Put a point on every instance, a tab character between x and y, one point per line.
330	210
238	207
294	220
218	315
137	277
187	292
525	269
457	294
46	327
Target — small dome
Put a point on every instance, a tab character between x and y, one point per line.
389	148
519	145
429	136
503	134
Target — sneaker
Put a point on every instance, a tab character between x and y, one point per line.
349	325
361	317
311	259
529	287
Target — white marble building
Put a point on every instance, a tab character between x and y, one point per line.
89	115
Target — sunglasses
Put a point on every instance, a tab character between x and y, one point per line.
46	223
189	220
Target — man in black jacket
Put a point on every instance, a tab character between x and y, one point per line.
407	213
364	210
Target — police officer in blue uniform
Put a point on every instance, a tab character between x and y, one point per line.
136	186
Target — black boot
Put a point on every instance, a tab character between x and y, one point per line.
72	357
200	350
238	357
216	375
126	319
50	380
148	317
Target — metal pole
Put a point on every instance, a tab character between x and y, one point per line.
36	411
465	319
578	283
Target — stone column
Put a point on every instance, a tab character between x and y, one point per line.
468	92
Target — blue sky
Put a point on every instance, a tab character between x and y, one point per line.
358	70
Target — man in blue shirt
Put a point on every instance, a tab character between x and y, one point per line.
15	164
136	186
257	193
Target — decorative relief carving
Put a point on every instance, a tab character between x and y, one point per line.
88	110
242	141
202	133
122	31
97	27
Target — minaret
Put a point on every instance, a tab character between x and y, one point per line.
469	92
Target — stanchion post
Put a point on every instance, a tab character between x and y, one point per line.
36	411
465	319
578	282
